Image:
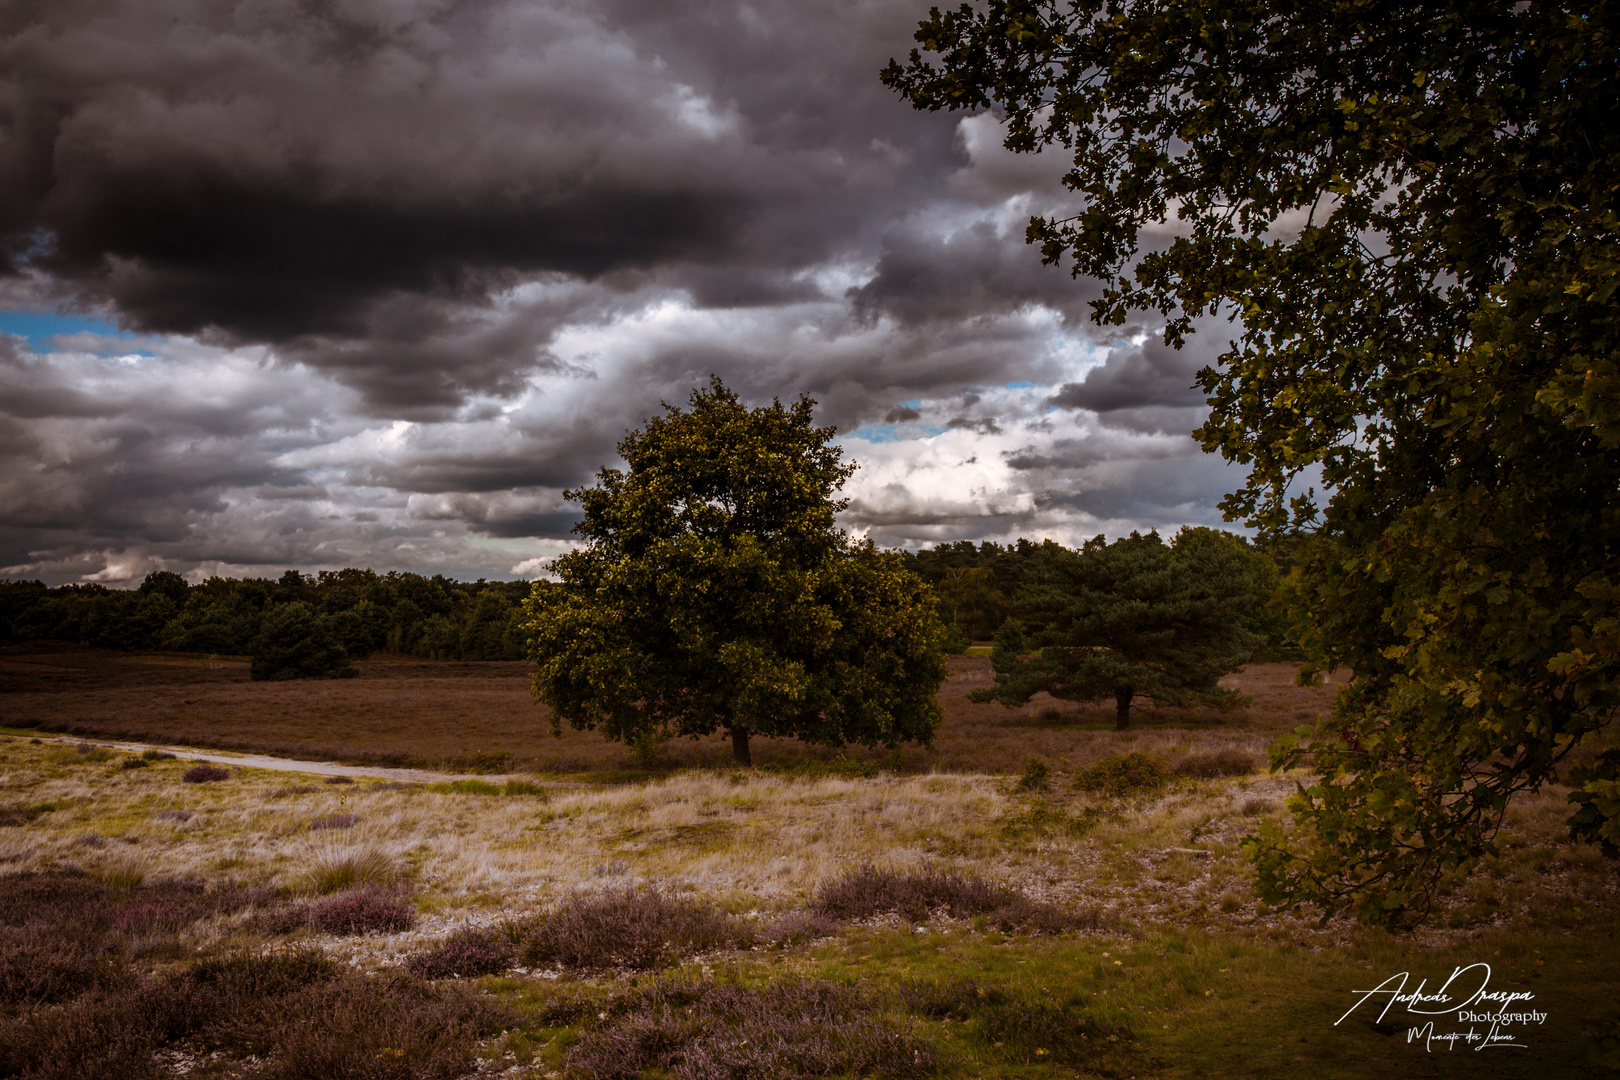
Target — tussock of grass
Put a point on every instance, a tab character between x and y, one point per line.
338	868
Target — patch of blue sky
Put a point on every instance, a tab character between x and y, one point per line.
41	329
887	433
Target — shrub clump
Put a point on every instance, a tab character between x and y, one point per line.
204	774
376	1029
156	755
917	896
1216	763
706	1030
1035	775
626	928
465	953
134	763
360	911
1123	774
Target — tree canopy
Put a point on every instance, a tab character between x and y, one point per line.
1137	617
715	591
1410	209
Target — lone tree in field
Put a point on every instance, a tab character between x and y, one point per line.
715	591
1412	209
1135	618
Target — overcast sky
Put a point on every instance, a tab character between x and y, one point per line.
368	282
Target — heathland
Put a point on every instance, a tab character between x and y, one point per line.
1034	895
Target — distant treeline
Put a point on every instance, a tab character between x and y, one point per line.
430	617
407	614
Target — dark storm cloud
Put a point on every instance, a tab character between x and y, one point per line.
281	170
413	267
1150	374
931	278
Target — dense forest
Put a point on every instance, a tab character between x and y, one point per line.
430	617
406	614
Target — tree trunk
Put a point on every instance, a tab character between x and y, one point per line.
739	746
1122	708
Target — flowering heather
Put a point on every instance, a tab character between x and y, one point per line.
626	928
465	953
204	774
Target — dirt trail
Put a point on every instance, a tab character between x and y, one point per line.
319	768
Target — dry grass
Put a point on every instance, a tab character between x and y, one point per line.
754	842
479	717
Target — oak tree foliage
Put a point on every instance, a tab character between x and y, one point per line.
1135	618
715	591
1410	208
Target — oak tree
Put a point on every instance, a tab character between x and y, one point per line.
715	591
1411	210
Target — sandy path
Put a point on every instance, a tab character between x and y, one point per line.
319	768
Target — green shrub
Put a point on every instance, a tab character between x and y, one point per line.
1036	774
1123	774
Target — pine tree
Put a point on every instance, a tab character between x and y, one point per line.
1135	618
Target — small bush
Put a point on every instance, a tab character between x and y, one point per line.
865	892
701	1030
134	763
156	755
338	821
1256	807
1216	763
338	780
368	1029
1123	774
204	774
625	929
362	911
465	953
1035	775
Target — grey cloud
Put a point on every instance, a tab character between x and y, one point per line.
923	278
1152	374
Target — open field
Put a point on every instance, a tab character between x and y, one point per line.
466	715
1162	959
1050	930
